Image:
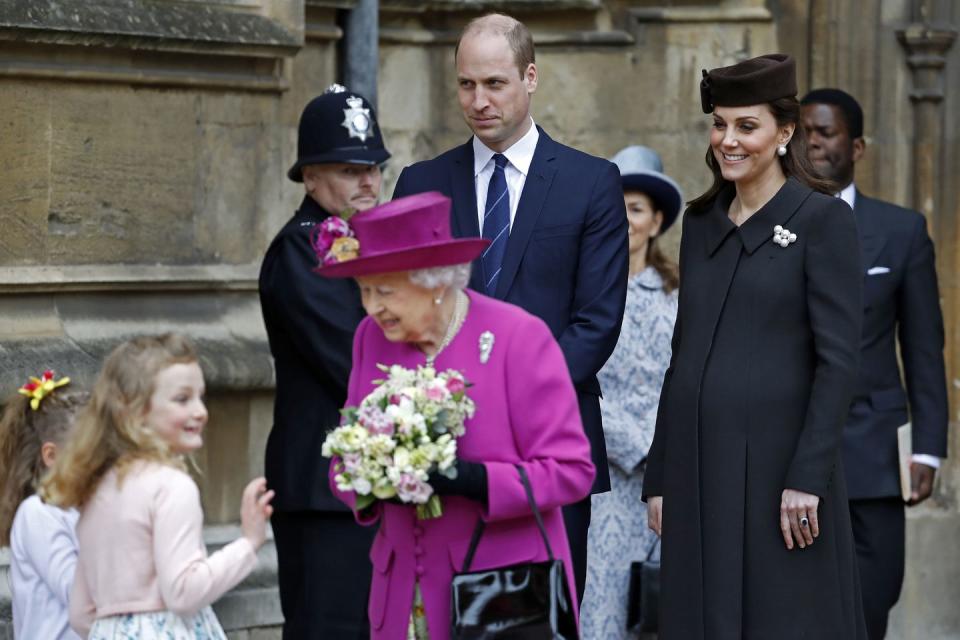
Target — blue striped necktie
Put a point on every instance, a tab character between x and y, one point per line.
496	224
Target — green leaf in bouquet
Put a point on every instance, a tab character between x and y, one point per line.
383	490
363	502
349	413
432	509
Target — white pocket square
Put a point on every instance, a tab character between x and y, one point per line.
876	271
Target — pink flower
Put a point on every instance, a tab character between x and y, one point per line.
324	234
351	462
434	394
455	385
333	228
375	421
411	489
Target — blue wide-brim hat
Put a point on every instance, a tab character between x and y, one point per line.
338	126
642	170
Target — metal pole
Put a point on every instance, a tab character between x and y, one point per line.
362	50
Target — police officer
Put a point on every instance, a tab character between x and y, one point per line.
324	570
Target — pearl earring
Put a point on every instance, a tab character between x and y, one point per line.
437	300
782	150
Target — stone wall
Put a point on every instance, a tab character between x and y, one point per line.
145	146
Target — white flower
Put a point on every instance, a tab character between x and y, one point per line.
401	458
362	486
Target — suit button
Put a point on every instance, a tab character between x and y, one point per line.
420	570
418	550
418	531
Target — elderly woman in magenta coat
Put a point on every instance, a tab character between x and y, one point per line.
412	278
744	477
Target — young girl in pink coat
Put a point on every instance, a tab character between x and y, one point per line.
143	571
412	277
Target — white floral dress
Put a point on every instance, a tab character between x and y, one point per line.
631	382
158	625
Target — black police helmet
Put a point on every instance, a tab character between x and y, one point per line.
338	126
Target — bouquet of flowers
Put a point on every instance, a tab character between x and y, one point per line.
405	429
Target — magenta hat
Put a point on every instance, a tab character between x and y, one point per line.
402	235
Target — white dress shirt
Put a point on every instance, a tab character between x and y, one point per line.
849	195
519	156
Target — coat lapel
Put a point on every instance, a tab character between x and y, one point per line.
464	194
464	223
871	242
535	190
717	225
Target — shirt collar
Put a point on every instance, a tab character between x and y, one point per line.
520	154
848	194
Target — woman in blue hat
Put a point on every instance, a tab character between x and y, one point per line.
631	381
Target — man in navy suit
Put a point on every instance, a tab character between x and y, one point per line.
554	215
901	304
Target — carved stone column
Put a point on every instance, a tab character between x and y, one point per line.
926	44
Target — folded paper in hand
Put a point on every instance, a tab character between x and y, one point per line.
905	450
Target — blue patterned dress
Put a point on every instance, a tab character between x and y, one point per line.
631	382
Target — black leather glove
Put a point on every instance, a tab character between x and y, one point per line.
471	482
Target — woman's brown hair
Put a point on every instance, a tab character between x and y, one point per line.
668	269
795	163
110	432
23	431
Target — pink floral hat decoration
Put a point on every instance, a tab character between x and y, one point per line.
402	235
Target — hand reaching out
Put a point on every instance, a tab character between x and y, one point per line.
255	510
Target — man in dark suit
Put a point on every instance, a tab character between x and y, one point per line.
324	570
554	215
901	304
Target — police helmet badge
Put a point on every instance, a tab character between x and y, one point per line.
356	119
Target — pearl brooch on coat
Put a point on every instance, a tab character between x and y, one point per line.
783	236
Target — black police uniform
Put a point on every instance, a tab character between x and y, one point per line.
324	570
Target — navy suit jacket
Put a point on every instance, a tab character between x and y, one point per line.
310	323
565	261
901	303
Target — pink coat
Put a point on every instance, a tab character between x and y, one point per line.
527	413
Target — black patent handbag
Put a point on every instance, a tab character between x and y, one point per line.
524	601
644	594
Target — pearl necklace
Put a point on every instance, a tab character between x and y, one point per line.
456	320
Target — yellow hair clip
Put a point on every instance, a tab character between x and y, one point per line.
39	388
